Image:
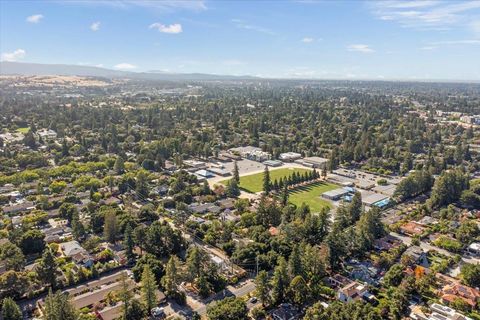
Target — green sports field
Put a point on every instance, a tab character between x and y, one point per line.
254	183
23	130
311	195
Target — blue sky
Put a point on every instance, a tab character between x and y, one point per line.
328	39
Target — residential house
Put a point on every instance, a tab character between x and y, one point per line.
450	292
47	134
285	311
413	228
352	291
73	250
228	203
441	312
474	248
338	281
386	243
17	208
418	256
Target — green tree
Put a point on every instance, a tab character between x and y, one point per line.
12	256
355	208
228	309
29	140
262	287
149	288
47	268
58	307
232	190
266	181
135	311
170	279
298	291
125	296
10	310
194	263
470	274
295	262
467	230
141	185
280	281
285	195
78	230
110	229
68	210
32	241
236	174
13	284
129	243
394	275
448	188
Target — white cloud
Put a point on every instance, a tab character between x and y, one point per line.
35	18
95	26
360	48
160	5
14	56
124	66
455	42
172	28
241	24
475	26
233	62
307	40
436	44
433	15
408	4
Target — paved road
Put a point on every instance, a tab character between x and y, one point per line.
245	289
427	247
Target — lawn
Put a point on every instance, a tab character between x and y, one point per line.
254	182
311	195
23	130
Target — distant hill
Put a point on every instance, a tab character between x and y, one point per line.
26	69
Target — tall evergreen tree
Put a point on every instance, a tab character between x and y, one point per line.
46	269
262	287
10	310
125	296
285	195
295	263
129	243
279	281
59	307
119	166
149	288
236	174
141	186
110	228
355	207
170	279
266	181
78	230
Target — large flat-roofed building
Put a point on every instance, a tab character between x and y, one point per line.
194	164
315	162
252	153
335	194
289	156
273	163
220	171
376	199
